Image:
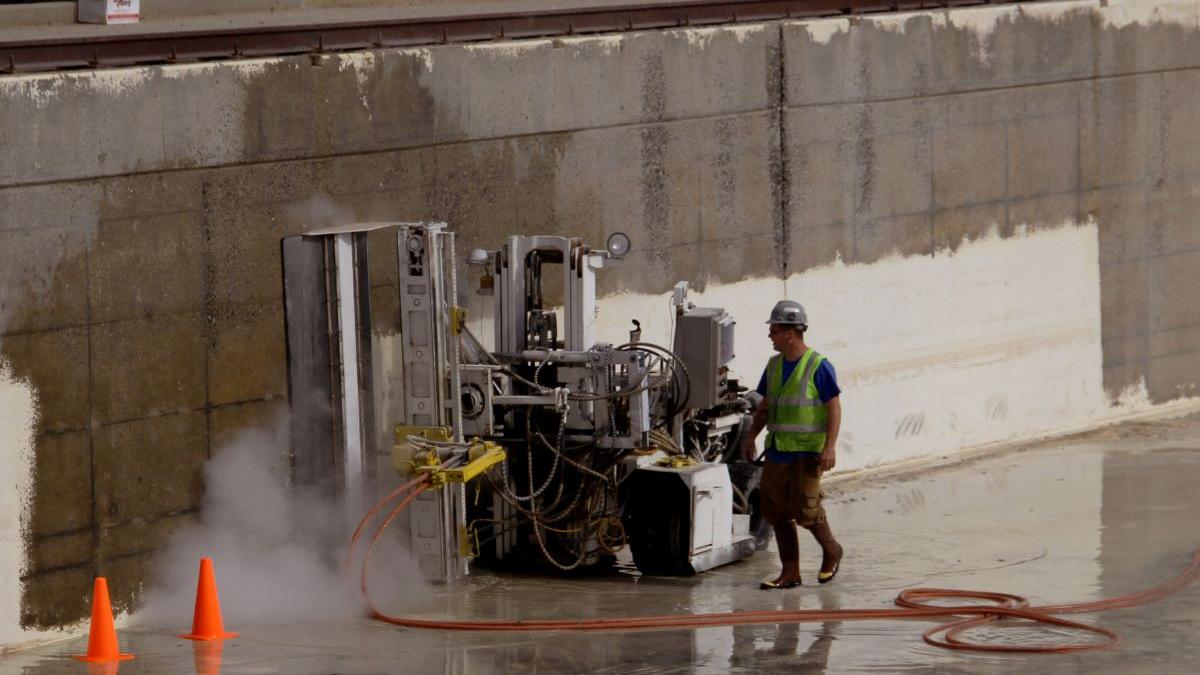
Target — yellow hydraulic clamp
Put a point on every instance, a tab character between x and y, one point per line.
404	454
458	319
481	456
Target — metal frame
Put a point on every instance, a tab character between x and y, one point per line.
327	296
427	299
579	265
328	310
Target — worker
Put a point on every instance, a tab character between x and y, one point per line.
802	413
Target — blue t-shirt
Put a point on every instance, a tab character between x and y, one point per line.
827	389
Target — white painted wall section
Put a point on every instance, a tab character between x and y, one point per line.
17	414
996	341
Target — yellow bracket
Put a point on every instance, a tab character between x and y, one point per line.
676	462
468	543
482	456
458	319
403	431
404	456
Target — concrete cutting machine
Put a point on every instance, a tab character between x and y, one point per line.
563	449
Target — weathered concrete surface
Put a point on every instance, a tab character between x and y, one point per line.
141	209
1097	516
1062	116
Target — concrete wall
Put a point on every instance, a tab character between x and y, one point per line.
990	213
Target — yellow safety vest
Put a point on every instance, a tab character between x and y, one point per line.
796	418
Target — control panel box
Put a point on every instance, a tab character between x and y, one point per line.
704	342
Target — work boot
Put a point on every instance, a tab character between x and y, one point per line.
831	551
789	555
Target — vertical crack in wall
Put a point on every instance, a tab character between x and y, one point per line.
865	163
1006	130
91	408
1080	92
208	300
1155	189
779	159
656	204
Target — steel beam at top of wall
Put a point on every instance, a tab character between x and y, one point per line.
175	46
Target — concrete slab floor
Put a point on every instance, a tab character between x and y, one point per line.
1098	515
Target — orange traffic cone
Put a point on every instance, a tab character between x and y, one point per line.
206	622
102	636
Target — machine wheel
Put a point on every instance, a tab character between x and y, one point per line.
658	523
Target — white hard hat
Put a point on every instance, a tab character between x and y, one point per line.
789	313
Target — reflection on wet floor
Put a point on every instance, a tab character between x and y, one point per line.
1098	516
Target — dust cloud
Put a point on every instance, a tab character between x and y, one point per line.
319	211
277	550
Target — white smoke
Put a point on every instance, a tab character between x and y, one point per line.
318	211
277	551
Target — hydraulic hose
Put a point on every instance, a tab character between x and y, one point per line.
914	603
362	524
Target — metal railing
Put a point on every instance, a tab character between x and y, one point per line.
155	46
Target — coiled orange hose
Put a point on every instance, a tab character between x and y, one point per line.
913	602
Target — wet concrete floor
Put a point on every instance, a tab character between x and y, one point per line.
1099	515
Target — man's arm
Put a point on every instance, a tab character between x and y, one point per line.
828	453
749	450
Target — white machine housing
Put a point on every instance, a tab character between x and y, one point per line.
716	535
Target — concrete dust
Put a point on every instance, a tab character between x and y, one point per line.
318	211
271	548
277	549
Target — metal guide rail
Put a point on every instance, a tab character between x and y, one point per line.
128	48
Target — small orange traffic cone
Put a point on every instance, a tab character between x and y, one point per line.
102	636
206	622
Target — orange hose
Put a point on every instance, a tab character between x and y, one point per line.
912	605
371	514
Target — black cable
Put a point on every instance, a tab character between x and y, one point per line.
674	358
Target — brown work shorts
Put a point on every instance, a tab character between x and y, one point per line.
793	492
